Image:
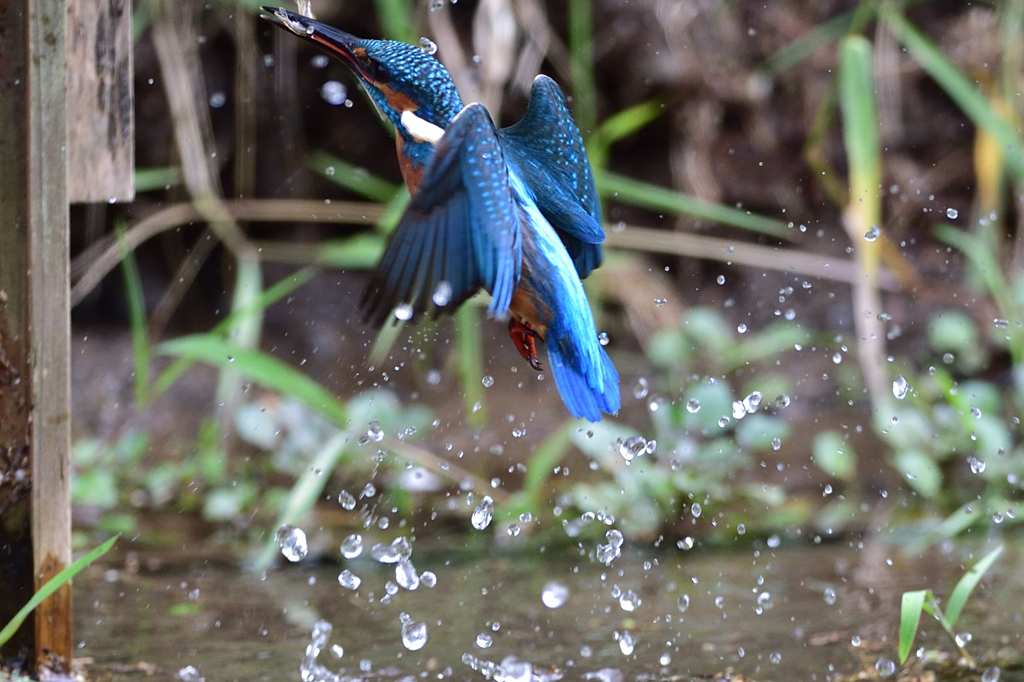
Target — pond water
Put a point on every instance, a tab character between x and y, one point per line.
766	610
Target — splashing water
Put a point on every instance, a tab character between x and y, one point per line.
292	542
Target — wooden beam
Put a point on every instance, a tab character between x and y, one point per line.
101	119
34	324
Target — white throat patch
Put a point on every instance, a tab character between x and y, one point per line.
420	129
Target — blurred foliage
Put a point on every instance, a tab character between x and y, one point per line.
716	408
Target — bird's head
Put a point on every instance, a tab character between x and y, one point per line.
399	78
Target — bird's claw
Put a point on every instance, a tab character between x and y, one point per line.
525	338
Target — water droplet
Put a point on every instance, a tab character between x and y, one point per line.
665	659
405	575
872	234
427	45
403	312
292	542
436	5
190	674
685	543
337	651
349	580
608	553
484	640
830	596
776	444
855	640
742	329
414	635
352	546
631	447
442	294
952	213
629	600
720	602
428	578
724	421
976	412
948	358
696	510
483	513
602	338
693	406
231	358
774	541
626	643
977	465
334	93
775	657
782	402
218	99
640	388
683	603
963	639
658	302
764	600
374	433
720	279
991	674
900	387
752	402
884	667
837	358
487	381
346	500
554	595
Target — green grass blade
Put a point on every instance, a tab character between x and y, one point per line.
645	195
247	329
469	349
150	179
136	316
910	617
959	88
262	368
581	66
51	586
265	300
352	177
360	252
803	47
860	125
621	125
305	493
963	589
544	458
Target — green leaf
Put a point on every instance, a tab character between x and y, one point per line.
305	493
921	472
149	179
262	368
645	195
136	315
352	177
51	586
963	589
860	127
834	456
961	90
910	617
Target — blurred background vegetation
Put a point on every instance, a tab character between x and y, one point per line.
813	286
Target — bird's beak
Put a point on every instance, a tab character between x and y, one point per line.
328	38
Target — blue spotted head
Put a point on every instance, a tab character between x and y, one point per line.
399	78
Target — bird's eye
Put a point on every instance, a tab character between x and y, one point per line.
380	71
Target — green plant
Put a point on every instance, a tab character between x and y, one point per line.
913	603
51	586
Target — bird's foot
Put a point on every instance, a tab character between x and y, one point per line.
525	339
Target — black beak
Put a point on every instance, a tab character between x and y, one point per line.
328	38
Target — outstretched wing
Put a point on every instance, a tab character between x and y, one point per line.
460	233
546	149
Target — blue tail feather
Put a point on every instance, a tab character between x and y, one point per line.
578	393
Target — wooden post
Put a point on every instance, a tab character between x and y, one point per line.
101	113
34	325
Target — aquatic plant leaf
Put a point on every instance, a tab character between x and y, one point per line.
966	585
51	586
910	617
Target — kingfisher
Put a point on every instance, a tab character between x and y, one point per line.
513	211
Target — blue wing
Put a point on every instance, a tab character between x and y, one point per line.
546	149
461	231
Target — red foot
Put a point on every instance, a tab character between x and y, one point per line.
526	341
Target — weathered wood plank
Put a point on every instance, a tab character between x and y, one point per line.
100	111
34	316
